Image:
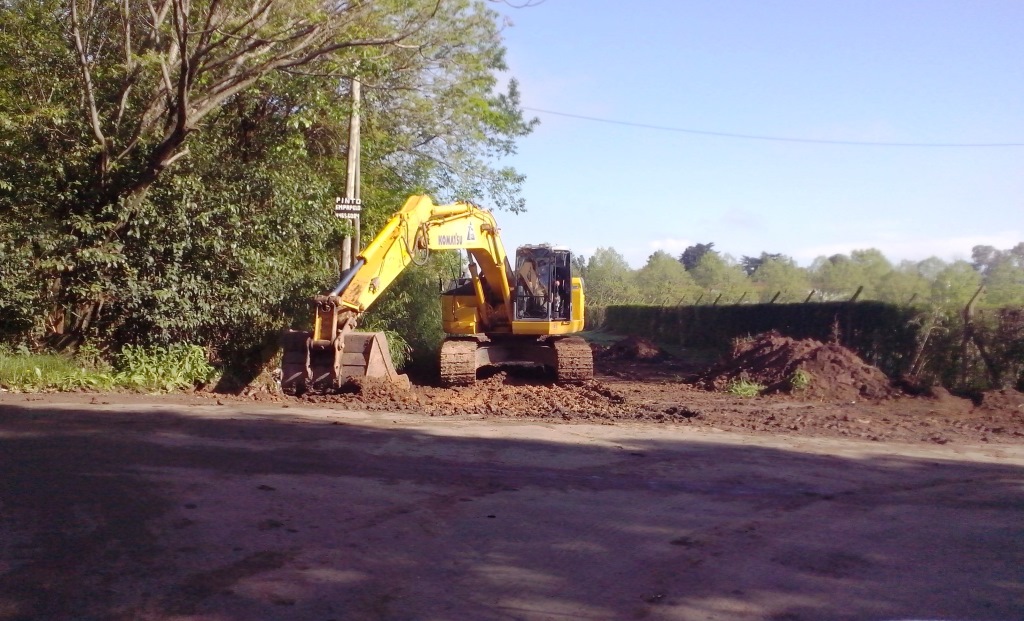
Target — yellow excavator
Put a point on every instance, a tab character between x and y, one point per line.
497	315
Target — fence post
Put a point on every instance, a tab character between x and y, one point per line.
775	297
715	303
857	294
740	301
809	296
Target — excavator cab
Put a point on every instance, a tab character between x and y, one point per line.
542	283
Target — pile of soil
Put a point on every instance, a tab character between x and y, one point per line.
503	395
633	348
805	368
1005	400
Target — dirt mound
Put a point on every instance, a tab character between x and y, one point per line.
634	348
1005	400
806	368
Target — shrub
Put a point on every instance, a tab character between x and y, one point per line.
744	388
162	368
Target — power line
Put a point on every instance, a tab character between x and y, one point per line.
855	143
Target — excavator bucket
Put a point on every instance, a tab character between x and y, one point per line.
308	366
366	354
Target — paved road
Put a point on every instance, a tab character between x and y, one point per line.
223	513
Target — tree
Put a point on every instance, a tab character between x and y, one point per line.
780	274
720	278
835	277
609	279
750	264
663	279
930	268
693	254
169	168
903	287
1004	284
954	285
840	276
984	257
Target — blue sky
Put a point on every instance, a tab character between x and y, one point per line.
906	71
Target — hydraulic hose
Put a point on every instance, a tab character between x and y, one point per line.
347	276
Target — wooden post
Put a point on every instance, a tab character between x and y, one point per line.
352	177
857	294
809	296
775	297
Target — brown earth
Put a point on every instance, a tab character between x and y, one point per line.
805	368
845	397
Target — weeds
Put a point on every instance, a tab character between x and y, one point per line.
33	372
744	388
162	368
800	380
136	368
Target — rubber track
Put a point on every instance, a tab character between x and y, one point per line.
458	362
575	360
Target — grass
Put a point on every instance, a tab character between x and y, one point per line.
744	388
34	372
800	380
135	368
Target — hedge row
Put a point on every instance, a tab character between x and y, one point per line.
932	345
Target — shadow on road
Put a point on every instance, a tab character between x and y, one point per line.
175	514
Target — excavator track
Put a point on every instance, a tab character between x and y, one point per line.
574	360
458	362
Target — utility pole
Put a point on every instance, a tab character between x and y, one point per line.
351	205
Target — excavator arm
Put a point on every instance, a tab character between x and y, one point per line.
333	349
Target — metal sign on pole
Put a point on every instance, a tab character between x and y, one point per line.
348	208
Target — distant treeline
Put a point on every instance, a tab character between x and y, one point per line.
703	276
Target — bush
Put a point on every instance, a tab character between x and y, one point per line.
162	368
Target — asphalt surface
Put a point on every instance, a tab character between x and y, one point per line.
173	511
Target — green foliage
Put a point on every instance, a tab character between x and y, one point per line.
37	372
664	280
776	274
162	368
744	388
608	279
692	255
800	380
216	230
720	278
954	286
